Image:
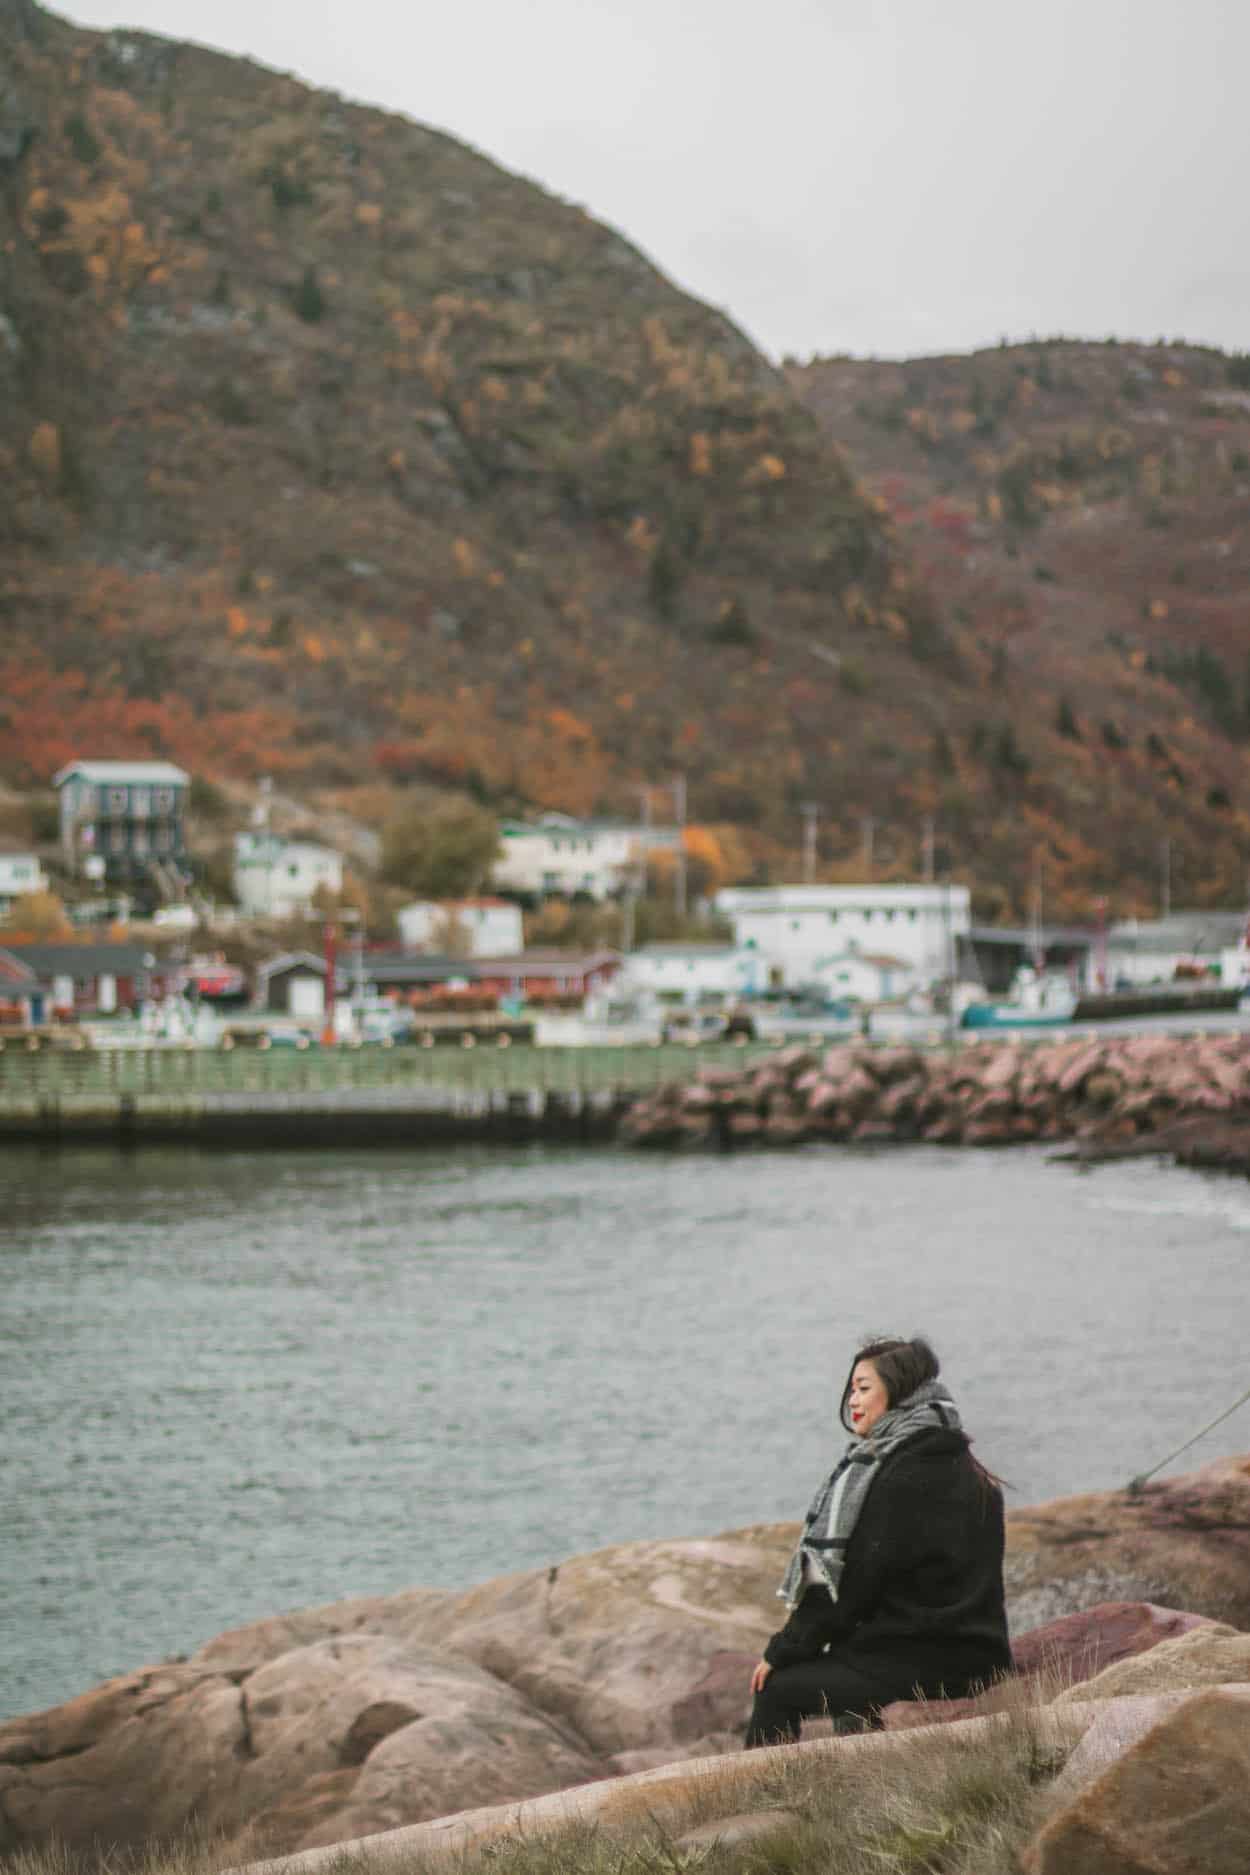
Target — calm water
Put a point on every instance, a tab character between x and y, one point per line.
244	1383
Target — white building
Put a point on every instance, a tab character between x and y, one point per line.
1158	950
592	858
795	927
19	873
692	973
863	976
491	927
276	878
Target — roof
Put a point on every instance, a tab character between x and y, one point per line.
400	967
405	966
446	905
82	961
1193	932
13	970
291	960
546	963
695	949
1024	936
568	824
157	772
876	960
267	847
791	898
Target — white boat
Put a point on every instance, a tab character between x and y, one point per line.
604	1021
800	1018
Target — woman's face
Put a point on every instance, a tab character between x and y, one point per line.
868	1399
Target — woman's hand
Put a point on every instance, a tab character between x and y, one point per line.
758	1678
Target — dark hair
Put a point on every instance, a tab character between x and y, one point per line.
902	1365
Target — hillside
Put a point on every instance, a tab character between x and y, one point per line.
334	452
337	452
1078	512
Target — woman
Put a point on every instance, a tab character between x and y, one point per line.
896	1587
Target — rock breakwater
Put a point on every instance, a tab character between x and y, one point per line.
1184	1095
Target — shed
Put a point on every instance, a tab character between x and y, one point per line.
294	984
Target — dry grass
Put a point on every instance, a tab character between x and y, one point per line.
939	1801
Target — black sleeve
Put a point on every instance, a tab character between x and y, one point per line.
815	1620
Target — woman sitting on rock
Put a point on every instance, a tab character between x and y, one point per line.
896	1588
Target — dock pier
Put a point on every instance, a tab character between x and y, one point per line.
56	1095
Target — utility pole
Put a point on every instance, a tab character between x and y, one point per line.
636	875
330	940
868	828
1035	915
1165	882
926	847
810	811
679	810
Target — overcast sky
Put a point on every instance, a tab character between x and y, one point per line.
876	176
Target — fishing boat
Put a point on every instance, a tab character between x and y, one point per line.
1038	1000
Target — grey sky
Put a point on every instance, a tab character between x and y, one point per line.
875	176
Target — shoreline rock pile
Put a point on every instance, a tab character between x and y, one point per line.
1187	1095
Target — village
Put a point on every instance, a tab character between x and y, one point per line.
108	933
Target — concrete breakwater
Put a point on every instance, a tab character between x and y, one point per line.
1187	1095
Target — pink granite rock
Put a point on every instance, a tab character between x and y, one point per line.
1063	1653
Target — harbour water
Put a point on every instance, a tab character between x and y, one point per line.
239	1383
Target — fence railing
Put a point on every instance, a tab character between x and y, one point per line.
69	1074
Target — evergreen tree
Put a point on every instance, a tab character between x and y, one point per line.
309	300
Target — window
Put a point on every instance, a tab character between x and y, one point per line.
140	802
117	839
115	800
165	800
139	840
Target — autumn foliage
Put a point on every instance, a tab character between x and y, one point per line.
333	452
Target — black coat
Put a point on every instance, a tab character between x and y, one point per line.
921	1594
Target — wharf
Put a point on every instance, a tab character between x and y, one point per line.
335	1096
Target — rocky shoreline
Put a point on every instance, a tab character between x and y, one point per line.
335	1723
1185	1096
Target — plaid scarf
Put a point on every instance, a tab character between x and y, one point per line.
836	1507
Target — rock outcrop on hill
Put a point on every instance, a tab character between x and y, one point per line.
338	1722
1188	1096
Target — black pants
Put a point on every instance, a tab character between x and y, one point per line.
820	1688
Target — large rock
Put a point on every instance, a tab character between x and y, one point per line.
136	1759
1209	1655
1183	1542
423	1732
1176	1803
353	1718
1076	1648
1081	1652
